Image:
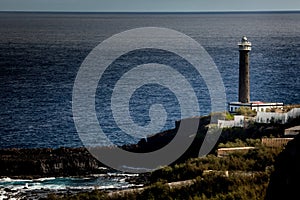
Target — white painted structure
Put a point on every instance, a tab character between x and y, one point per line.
282	118
244	45
254	105
237	122
225	123
292	131
221	152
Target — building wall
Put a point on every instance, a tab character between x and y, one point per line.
225	123
261	108
275	142
237	122
268	117
226	151
233	108
292	131
256	107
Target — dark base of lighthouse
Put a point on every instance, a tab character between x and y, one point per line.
244	77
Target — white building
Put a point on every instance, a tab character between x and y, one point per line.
254	105
282	118
237	122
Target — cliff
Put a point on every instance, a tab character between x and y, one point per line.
47	162
78	161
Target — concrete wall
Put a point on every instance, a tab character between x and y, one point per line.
292	131
268	117
237	122
275	142
226	151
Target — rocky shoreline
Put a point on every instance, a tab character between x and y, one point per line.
43	188
78	162
47	162
40	163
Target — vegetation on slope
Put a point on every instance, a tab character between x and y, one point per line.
237	176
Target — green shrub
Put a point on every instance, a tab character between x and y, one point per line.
246	111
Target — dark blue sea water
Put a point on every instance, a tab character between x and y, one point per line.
41	53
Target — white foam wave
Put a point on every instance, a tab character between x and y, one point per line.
45	179
7	179
11	188
122	174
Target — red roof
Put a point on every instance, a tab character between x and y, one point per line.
257	102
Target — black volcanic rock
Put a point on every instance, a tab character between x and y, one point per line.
47	162
285	180
159	140
78	161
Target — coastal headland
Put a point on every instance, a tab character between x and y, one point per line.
45	162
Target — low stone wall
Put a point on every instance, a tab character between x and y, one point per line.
275	142
226	151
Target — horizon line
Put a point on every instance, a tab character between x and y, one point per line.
152	12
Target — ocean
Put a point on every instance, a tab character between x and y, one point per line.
40	188
41	54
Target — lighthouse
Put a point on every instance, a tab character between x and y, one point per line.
244	75
244	83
